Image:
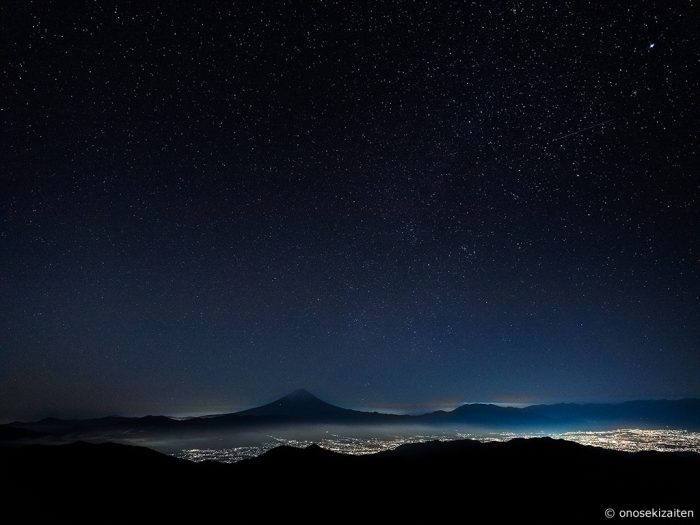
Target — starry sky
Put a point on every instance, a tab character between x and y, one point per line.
205	205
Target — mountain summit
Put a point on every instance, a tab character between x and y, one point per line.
299	404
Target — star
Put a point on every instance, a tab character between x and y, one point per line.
205	205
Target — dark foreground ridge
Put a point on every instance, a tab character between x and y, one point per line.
550	481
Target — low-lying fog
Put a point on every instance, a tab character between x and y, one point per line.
234	445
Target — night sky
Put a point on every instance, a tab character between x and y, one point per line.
397	205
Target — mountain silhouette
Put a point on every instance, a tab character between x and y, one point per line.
523	480
301	404
680	413
10	433
489	414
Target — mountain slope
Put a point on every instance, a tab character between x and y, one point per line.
680	413
301	404
488	415
540	480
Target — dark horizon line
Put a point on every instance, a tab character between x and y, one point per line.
517	406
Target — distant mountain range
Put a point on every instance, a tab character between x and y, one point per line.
303	407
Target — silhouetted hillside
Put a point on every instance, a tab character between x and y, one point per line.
303	407
488	415
9	433
538	479
301	404
680	413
